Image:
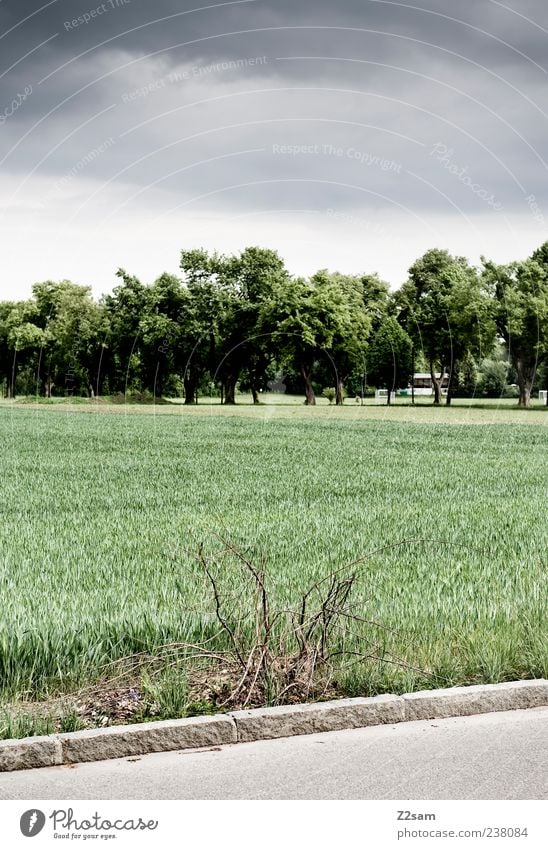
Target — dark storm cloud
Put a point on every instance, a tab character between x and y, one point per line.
494	56
361	105
141	26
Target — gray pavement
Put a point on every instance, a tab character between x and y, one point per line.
491	756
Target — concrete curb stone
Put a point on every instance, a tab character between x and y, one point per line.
483	698
119	741
267	723
290	720
29	753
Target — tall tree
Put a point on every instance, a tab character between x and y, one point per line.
125	308
22	342
541	256
77	330
202	310
389	356
241	285
249	281
312	319
7	308
447	313
521	293
160	330
348	320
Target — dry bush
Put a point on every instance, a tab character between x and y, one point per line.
255	651
274	654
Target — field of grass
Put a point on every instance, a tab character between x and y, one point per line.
463	410
101	511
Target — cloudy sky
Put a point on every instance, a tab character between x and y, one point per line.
351	135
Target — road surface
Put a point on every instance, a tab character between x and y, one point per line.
492	756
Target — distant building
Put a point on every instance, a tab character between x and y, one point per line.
424	385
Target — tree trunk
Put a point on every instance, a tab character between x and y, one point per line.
11	383
525	378
388	402
413	374
230	389
437	392
437	382
339	397
452	384
190	390
255	394
524	393
309	391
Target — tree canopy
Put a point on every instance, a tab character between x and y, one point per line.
244	320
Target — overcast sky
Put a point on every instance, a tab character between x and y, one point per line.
351	135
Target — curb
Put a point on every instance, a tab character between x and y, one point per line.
245	726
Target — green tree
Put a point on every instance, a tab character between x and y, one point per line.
160	331
521	293
493	377
447	312
389	356
237	289
377	304
201	319
301	315
22	341
7	308
541	257
75	330
124	308
350	322
467	376
246	342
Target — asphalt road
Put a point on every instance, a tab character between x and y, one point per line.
492	756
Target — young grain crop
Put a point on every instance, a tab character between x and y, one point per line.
100	514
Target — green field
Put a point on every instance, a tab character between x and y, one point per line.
101	512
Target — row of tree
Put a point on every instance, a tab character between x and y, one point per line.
239	320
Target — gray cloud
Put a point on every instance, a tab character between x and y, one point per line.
353	115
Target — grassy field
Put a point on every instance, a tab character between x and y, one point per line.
102	509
